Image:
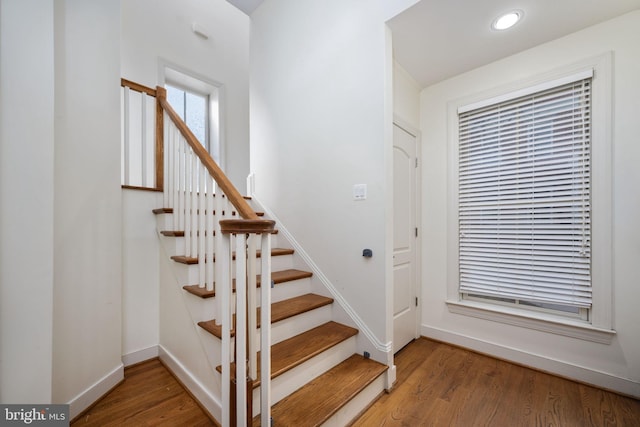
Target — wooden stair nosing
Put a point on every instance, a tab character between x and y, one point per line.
191	260
296	350
279	311
316	402
159	211
277	277
172	233
180	233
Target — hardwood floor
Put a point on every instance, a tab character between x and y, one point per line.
441	385
437	385
149	395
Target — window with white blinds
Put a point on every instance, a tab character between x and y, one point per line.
524	196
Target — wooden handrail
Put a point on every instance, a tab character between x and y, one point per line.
234	196
137	87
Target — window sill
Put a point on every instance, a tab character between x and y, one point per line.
537	321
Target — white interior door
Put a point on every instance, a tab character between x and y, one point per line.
405	321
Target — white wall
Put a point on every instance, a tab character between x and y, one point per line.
615	366
140	276
87	202
154	30
60	210
26	200
406	96
321	117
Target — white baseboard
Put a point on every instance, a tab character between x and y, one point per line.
553	366
140	356
195	387
92	394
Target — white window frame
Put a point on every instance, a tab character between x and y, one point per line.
189	90
169	73
600	326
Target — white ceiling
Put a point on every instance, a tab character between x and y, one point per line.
247	6
438	39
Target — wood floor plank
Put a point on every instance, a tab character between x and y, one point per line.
149	395
426	372
449	386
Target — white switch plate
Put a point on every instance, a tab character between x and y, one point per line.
360	192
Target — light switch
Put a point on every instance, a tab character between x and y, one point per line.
359	191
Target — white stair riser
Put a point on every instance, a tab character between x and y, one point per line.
211	346
293	288
173	245
164	222
189	274
204	309
200	308
296	325
357	405
281	262
290	381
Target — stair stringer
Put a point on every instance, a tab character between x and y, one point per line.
182	346
343	312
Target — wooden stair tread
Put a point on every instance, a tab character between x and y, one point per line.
294	351
172	233
191	260
279	311
317	401
282	276
160	211
180	233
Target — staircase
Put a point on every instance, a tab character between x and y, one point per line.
313	374
317	376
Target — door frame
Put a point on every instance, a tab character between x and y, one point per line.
407	127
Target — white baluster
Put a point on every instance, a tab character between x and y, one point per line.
188	199
176	178
194	204
143	139
126	141
217	217
223	292
265	331
210	233
252	324
202	231
241	330
181	186
168	155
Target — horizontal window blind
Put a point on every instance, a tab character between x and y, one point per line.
524	197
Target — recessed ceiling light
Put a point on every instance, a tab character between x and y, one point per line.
507	20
